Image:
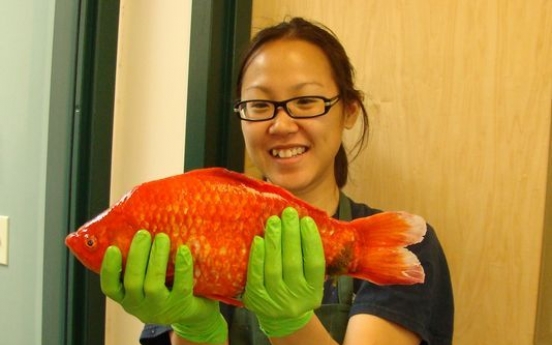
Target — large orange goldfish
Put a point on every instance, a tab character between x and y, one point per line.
217	213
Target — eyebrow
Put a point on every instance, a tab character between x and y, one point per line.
294	88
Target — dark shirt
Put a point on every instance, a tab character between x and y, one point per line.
425	309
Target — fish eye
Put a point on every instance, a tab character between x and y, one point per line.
90	241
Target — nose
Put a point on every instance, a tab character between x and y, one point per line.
282	123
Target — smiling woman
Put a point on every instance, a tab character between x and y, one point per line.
286	296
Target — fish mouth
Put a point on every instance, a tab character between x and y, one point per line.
70	241
288	152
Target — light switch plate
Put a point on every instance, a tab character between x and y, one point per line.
4	240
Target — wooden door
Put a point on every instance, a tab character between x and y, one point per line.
459	94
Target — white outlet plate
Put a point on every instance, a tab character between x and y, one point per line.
3	240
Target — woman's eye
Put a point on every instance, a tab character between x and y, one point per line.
305	102
259	105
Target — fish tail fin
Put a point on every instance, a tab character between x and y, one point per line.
382	238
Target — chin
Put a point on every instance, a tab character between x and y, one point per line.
289	182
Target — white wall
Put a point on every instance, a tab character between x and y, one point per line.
150	104
26	35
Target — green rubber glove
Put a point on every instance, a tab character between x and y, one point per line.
143	292
285	277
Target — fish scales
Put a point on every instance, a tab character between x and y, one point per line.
217	213
219	256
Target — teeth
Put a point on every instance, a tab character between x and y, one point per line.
287	153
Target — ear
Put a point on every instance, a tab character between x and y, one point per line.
350	113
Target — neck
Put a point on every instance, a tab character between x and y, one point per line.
322	199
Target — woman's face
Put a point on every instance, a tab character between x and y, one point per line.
297	154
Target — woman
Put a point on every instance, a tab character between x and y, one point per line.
297	97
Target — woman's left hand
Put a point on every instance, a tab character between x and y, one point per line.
285	278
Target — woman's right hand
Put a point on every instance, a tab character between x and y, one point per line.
143	292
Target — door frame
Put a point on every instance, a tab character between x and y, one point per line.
213	133
78	164
80	139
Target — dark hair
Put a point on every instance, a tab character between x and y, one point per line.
342	70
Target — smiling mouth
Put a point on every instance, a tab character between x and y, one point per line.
288	153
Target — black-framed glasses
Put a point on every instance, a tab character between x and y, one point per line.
303	107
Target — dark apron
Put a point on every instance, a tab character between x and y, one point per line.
245	330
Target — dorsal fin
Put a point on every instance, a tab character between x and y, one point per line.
235	178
